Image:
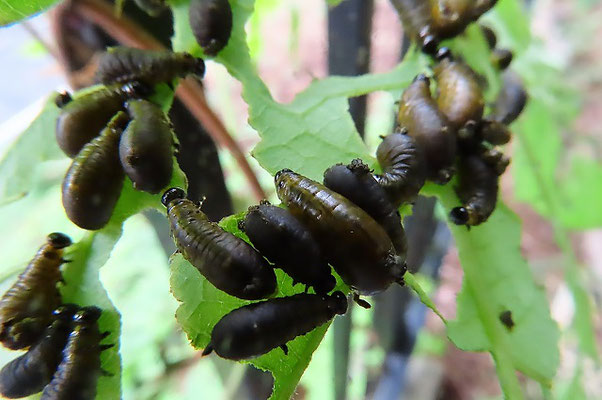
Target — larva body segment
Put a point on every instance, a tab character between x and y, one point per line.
29	373
356	246
477	189
460	97
430	128
146	147
229	263
125	64
257	328
26	308
284	241
356	183
77	375
211	23
94	180
403	168
451	17
82	119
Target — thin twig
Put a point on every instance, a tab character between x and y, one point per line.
189	91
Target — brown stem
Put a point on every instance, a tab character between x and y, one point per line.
189	91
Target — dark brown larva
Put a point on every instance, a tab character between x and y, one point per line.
152	7
430	128
125	64
355	245
511	100
147	145
29	373
257	328
460	97
77	375
229	263
417	22
403	168
477	189
93	183
26	308
284	241
356	183
211	23
82	119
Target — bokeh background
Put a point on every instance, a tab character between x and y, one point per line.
397	351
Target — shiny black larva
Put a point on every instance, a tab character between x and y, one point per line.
284	241
94	180
211	23
356	246
229	263
257	328
150	67
147	145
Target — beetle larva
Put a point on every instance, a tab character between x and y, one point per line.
29	373
435	137
511	100
229	263
417	23
77	375
477	189
356	183
125	64
284	241
94	180
26	308
83	118
211	23
403	166
460	97
356	246
147	145
257	328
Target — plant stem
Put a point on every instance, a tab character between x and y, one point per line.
189	91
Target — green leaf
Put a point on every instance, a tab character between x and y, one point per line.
15	10
497	279
22	163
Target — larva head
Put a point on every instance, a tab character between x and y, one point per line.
338	302
58	240
459	216
422	78
62	99
429	41
172	194
199	67
87	315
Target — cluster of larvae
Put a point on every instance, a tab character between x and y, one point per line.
449	130
62	341
114	132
